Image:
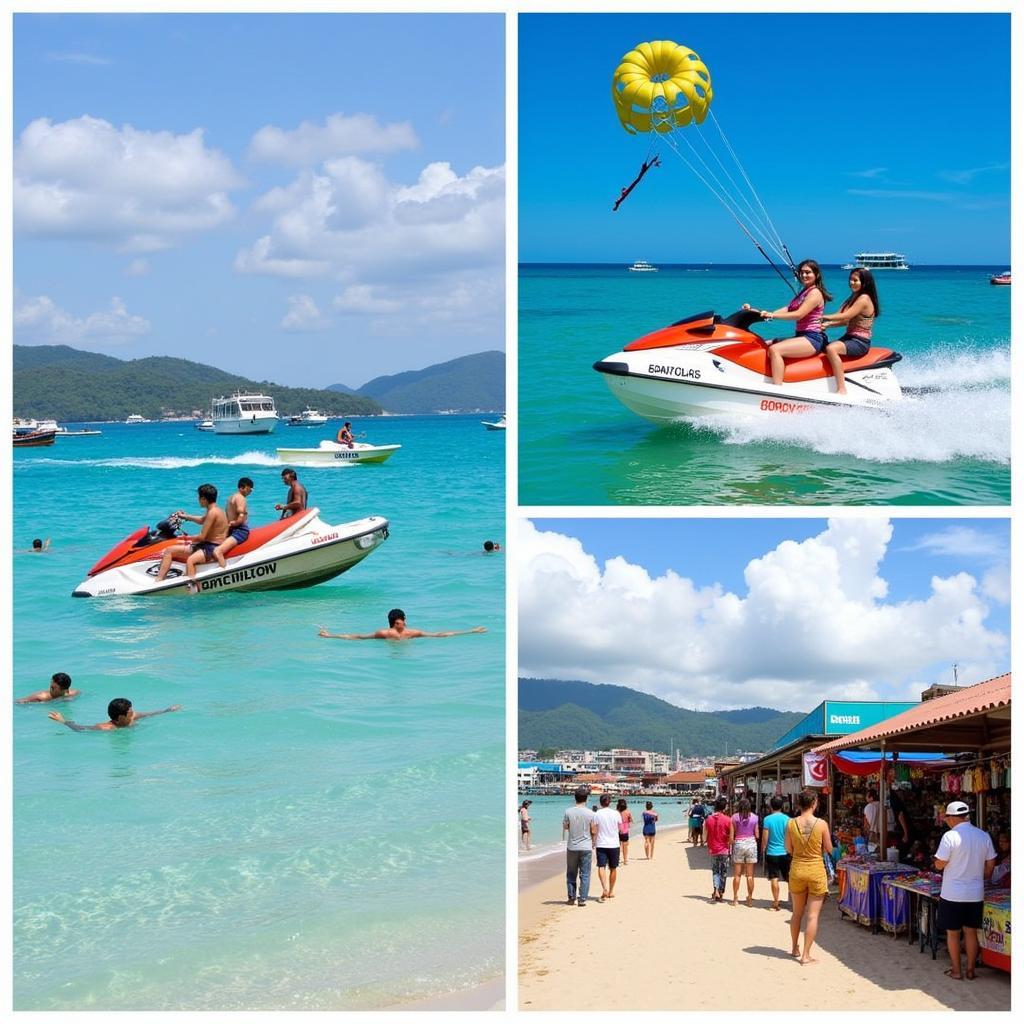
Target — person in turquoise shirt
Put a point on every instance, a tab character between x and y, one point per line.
773	846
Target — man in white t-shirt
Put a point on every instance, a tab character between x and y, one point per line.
966	858
871	809
607	820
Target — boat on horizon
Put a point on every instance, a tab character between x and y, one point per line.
34	438
878	261
1001	279
243	414
204	424
136	418
496	425
307	418
643	267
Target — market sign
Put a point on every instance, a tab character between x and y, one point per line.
815	769
841	717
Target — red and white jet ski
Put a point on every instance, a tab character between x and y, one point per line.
707	365
300	551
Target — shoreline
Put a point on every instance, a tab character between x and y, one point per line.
488	995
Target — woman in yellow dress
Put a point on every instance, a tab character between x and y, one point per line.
807	839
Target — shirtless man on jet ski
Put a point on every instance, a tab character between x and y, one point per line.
203	546
397	630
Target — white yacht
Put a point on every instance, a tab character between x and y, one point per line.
643	267
244	414
136	418
307	418
878	261
203	424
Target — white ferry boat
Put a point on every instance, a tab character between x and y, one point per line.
643	267
307	418
878	261
243	414
136	418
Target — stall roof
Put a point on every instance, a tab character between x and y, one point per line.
976	717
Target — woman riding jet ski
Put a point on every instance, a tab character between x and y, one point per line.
707	365
300	551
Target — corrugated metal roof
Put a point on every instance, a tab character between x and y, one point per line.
965	703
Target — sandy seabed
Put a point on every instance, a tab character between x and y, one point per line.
695	955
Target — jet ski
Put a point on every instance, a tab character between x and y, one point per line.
707	365
330	453
300	551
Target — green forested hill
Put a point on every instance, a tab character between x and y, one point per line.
73	386
467	384
559	713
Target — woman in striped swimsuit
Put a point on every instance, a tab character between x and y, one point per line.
858	314
806	309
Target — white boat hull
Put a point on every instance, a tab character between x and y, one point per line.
664	385
313	552
330	453
250	425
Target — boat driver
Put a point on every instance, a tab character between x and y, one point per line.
202	547
345	435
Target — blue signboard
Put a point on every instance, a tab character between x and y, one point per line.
842	717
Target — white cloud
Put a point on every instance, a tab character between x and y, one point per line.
995	584
339	135
967	175
39	321
304	315
139	191
871	172
137	268
963	541
814	619
361	298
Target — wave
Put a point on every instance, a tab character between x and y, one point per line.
961	410
162	461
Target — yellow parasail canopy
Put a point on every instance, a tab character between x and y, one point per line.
659	86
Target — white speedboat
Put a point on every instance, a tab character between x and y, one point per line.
707	365
643	267
206	424
300	551
307	418
330	453
496	425
135	418
243	414
878	261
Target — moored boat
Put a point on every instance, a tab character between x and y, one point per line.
35	439
1003	278
244	414
206	424
330	453
643	267
135	418
496	425
307	418
878	261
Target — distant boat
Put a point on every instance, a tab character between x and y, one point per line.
307	418
136	418
643	267
498	425
206	424
1003	278
34	439
244	414
878	261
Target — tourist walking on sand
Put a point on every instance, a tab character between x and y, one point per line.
966	858
625	820
773	845
524	823
698	812
578	828
718	839
607	845
807	838
650	817
744	837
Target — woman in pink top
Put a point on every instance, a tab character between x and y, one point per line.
745	833
858	313
806	309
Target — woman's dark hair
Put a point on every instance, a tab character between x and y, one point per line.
819	282
867	287
650	806
744	808
806	800
621	805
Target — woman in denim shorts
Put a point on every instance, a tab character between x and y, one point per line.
857	314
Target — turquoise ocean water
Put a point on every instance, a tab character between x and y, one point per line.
320	827
546	814
579	445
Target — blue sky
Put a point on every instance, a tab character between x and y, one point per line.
308	199
715	613
859	132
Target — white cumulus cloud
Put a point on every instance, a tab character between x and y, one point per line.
339	135
814	618
140	191
304	315
40	321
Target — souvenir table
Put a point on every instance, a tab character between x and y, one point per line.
994	936
862	899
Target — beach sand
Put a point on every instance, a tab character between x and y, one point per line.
660	926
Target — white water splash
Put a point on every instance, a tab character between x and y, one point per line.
966	416
163	462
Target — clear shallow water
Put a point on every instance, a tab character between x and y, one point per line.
950	446
320	826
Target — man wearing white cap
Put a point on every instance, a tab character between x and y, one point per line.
966	858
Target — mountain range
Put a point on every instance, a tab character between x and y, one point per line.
577	715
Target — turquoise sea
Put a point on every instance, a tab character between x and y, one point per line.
546	814
320	827
579	446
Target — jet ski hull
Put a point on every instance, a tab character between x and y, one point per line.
710	367
313	552
330	453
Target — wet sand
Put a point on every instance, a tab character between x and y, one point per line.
660	926
489	996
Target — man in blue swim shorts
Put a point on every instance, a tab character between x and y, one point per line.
238	521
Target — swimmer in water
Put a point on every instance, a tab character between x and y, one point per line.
122	716
60	688
397	630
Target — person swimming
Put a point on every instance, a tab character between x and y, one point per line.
121	715
398	630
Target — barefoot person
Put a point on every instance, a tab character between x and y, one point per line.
807	837
773	846
744	850
298	497
398	630
607	843
60	689
625	821
524	824
238	521
122	716
718	840
201	549
650	817
966	858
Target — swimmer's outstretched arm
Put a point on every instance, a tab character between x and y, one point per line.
73	726
163	711
458	632
349	636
